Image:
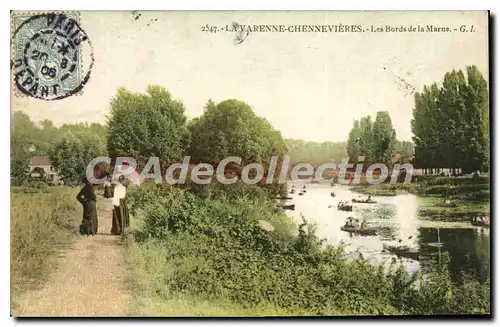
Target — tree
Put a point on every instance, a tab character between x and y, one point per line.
451	123
384	139
73	153
405	151
365	140
353	146
24	133
44	134
231	128
47	138
425	126
19	169
315	153
146	125
478	131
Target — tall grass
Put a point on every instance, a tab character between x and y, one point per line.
41	224
205	254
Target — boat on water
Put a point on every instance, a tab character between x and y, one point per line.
480	222
447	205
288	206
360	231
401	250
304	191
368	201
300	193
345	208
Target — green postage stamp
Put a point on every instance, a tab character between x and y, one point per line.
51	55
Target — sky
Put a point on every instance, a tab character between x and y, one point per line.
310	85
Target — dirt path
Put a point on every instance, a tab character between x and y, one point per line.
90	279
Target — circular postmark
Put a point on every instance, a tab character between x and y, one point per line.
48	59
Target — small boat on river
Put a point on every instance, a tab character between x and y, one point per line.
401	250
300	193
288	206
480	222
283	198
344	207
447	205
367	201
360	231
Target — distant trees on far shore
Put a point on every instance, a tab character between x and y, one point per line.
451	122
376	141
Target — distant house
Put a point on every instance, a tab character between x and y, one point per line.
30	148
42	165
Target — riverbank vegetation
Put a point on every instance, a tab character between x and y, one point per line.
205	250
42	223
209	248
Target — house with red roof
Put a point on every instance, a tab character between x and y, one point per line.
40	165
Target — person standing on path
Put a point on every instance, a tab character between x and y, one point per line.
123	203
107	189
118	222
87	198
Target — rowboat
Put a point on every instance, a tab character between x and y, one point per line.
480	224
345	208
447	205
288	206
401	250
361	231
368	201
301	193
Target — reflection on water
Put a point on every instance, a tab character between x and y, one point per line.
468	248
396	220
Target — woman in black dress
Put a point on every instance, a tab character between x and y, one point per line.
87	198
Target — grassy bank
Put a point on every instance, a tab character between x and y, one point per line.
203	253
41	223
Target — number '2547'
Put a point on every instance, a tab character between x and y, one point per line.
210	29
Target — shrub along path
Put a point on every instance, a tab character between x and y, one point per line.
90	279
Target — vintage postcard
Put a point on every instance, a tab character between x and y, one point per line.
250	163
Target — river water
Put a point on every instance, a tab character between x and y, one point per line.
395	218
